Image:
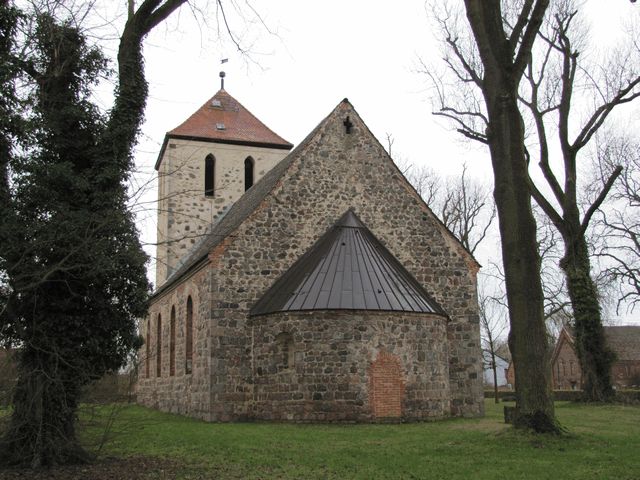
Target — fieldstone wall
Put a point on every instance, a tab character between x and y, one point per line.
184	393
332	366
333	172
184	212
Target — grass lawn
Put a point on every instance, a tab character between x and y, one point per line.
601	442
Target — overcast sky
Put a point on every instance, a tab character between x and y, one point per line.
321	52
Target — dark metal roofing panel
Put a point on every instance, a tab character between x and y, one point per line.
347	269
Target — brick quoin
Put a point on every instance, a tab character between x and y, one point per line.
216	254
386	386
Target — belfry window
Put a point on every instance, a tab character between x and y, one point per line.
172	343
248	173
159	348
209	175
188	364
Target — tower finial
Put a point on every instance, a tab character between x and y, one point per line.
222	74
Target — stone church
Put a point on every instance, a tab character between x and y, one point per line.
304	285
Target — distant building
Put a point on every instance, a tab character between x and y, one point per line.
625	371
567	374
501	370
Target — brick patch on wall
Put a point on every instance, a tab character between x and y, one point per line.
386	386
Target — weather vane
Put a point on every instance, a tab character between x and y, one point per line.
222	74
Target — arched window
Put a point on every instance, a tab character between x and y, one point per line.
285	347
148	342
209	175
248	173
159	348
172	343
188	356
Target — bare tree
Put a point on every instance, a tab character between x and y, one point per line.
464	205
557	305
493	329
554	72
427	183
618	224
467	209
487	69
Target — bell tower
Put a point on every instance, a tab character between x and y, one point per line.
204	166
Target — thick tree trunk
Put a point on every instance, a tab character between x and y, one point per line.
527	337
503	61
594	355
51	368
42	426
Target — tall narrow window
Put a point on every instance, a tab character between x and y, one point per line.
188	364
209	175
248	173
159	348
285	344
172	343
148	342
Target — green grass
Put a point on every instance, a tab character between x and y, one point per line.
601	442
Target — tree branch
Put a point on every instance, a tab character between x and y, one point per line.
603	194
545	205
529	36
601	114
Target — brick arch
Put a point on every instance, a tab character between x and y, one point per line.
386	386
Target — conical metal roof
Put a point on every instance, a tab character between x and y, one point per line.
347	269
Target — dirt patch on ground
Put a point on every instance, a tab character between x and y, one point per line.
108	468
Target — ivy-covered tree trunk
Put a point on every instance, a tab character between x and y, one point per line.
593	353
76	278
43	421
8	113
560	71
75	268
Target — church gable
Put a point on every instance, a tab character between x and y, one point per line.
342	166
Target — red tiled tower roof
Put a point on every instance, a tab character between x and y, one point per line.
222	119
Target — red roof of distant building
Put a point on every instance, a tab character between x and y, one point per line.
222	119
